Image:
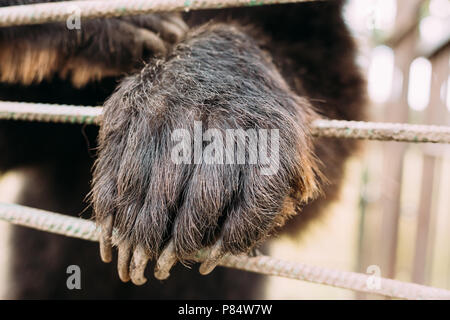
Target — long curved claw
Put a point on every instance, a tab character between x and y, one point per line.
166	261
123	262
138	265
178	20
174	27
172	31
152	42
105	239
213	259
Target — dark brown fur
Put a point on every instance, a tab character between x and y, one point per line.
206	78
100	48
262	67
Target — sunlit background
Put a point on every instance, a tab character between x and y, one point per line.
394	211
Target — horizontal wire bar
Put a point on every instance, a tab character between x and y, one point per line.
87	230
320	128
41	112
382	131
61	11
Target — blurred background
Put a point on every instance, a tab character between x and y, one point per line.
394	210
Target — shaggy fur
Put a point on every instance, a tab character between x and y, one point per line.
206	78
101	48
274	67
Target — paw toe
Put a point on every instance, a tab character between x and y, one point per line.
166	261
138	264
105	239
